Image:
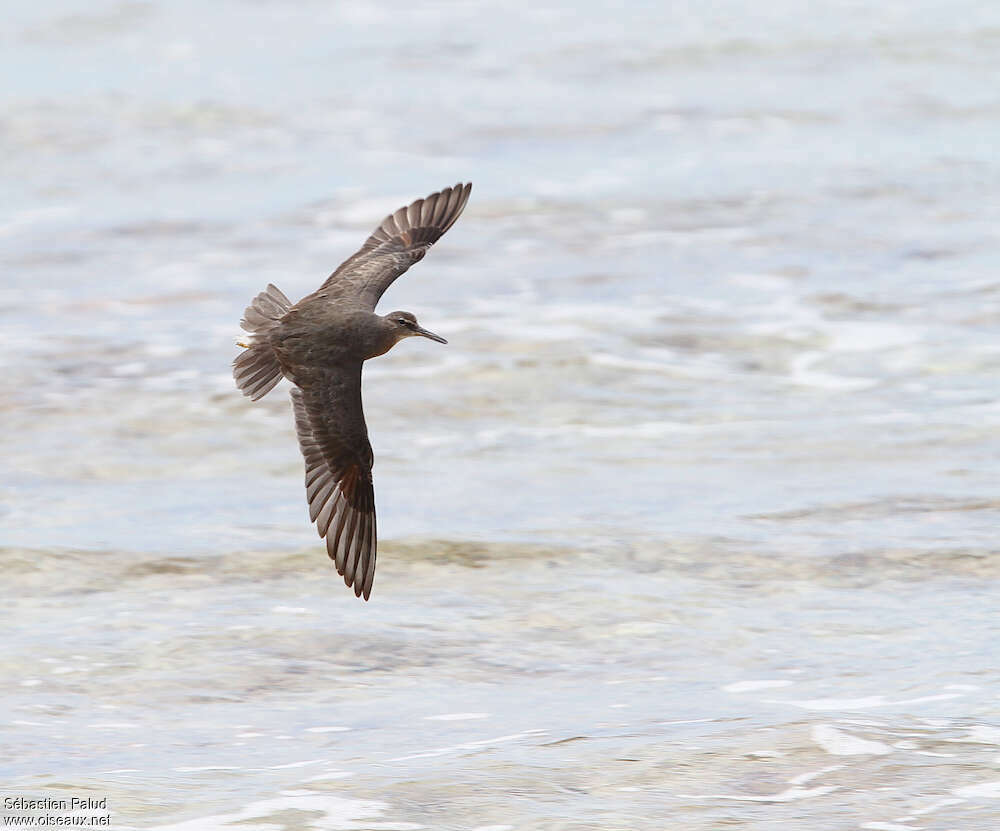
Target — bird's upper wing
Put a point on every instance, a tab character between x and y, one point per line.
400	240
334	441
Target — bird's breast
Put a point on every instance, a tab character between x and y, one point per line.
332	337
379	346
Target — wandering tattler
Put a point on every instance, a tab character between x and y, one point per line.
319	344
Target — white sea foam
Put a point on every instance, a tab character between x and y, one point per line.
793	794
984	790
802	778
751	686
838	743
981	734
867	702
303	764
336	813
802	372
646	365
329	775
441	751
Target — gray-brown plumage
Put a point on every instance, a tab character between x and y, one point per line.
319	344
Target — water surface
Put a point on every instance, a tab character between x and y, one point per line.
691	525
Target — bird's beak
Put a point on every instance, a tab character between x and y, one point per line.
428	334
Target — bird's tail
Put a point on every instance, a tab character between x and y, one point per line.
257	369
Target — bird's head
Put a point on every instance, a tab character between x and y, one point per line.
404	325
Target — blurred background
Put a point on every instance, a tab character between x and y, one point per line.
692	525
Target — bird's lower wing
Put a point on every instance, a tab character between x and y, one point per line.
400	240
334	442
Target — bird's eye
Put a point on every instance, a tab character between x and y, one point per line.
402	321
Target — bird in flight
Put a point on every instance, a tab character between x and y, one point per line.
319	344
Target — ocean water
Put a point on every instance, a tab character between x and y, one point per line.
692	525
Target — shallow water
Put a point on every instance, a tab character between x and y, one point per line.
691	525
